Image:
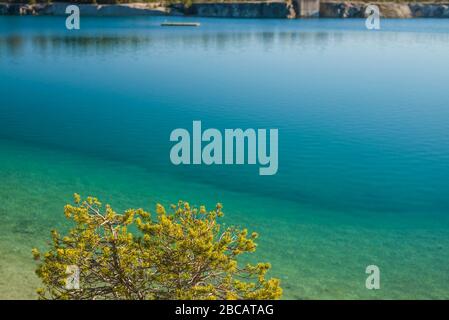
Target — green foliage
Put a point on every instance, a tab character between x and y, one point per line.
187	3
184	254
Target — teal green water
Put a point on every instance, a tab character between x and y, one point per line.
363	140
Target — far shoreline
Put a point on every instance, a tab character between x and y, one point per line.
288	9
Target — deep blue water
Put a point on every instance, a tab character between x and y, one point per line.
362	115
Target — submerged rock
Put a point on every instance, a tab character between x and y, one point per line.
420	10
3	8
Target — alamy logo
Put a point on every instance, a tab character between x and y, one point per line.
189	149
372	21
72	281
73	20
373	280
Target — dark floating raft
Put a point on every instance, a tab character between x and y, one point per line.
180	24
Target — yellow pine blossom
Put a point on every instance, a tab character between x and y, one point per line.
181	254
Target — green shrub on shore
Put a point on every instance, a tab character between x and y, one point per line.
184	254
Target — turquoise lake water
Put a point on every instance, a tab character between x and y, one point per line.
363	119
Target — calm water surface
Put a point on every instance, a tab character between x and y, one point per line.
363	123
